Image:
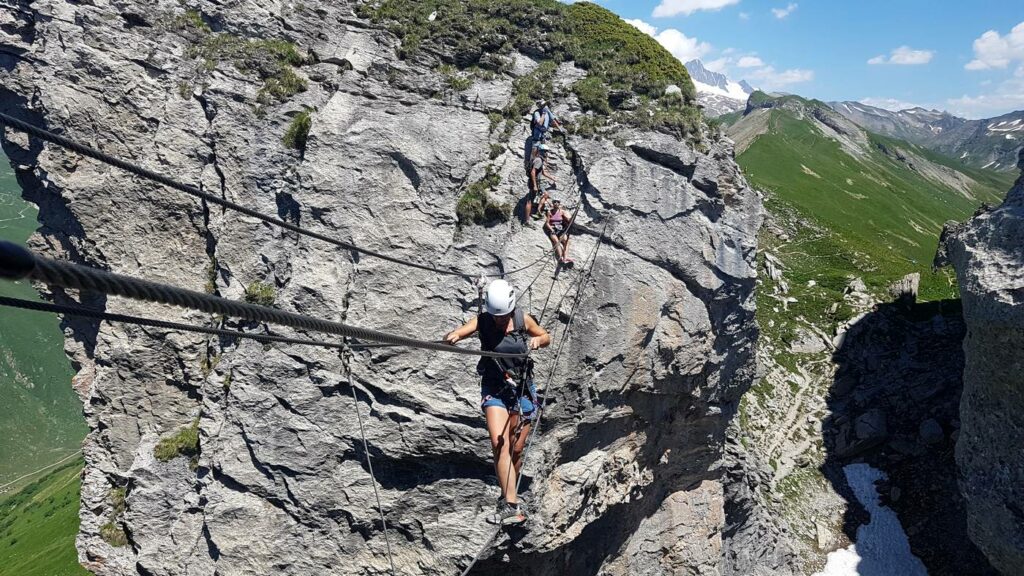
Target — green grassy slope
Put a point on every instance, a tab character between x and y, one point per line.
40	416
870	217
38	526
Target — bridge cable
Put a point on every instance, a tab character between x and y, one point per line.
346	359
17	262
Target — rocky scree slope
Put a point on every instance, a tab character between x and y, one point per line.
988	254
215	456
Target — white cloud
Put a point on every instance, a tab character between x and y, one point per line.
893	104
681	46
718	64
1007	96
744	16
768	78
643	26
750	62
904	56
994	51
781	13
686	7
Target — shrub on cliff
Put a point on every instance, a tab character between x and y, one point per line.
464	32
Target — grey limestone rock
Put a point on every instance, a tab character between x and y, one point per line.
627	476
988	254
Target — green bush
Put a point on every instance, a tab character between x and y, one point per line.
496	150
185	442
260	293
528	88
593	95
467	33
601	42
298	131
476	206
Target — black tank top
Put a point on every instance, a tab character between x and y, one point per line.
494	339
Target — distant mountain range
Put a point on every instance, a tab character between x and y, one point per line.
990	143
716	92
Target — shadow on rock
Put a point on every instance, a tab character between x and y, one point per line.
894	404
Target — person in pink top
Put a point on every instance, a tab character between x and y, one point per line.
557	229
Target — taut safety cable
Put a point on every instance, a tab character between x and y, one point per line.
84	312
346	360
17	262
84	150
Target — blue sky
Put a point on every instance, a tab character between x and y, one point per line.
966	57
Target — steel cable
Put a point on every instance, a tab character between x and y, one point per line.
17	262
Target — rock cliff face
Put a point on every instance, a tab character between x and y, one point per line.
988	254
627	477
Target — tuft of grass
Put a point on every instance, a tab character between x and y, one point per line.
190	20
184	442
493	119
496	150
475	206
281	86
185	90
211	276
298	131
593	95
260	293
112	533
272	60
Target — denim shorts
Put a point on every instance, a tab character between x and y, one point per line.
496	393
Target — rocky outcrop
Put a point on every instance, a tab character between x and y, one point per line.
627	477
988	254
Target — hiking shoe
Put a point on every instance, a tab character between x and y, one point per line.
537	216
510	514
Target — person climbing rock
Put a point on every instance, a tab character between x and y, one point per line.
542	121
507	393
557	229
538	170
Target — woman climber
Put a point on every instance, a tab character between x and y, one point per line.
507	394
557	229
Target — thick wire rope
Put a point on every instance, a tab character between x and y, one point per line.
535	427
17	262
346	360
84	312
84	150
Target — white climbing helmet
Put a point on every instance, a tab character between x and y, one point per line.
499	298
